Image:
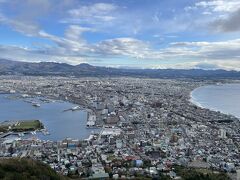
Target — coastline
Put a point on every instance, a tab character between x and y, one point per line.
193	100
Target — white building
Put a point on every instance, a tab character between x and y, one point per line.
119	143
222	133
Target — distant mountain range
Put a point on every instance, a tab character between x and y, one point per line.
8	67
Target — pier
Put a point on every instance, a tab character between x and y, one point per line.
8	134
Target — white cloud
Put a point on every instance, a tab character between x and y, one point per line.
65	45
123	46
71	43
74	32
29	55
26	28
178	51
206	65
93	10
92	14
222	50
219	5
135	48
219	15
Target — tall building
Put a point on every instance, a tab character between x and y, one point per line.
238	174
222	133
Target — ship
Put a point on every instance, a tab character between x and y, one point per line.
36	104
75	108
45	132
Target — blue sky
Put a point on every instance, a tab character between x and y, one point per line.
123	33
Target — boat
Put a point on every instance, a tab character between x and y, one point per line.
45	132
75	108
36	104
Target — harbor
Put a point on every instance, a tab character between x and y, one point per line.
58	124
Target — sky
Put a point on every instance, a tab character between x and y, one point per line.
181	34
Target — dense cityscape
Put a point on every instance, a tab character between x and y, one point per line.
147	128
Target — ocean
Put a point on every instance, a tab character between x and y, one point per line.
224	98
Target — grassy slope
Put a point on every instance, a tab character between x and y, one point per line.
28	125
199	174
21	169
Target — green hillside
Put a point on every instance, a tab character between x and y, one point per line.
26	169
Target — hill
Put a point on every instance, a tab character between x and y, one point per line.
8	67
26	169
